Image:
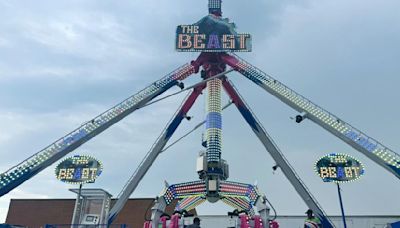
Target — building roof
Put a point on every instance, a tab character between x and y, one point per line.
35	213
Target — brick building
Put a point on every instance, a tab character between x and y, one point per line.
35	213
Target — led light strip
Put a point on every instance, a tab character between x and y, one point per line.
391	158
184	190
214	4
214	121
239	203
39	158
239	191
189	203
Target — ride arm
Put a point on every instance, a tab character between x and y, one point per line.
276	154
151	156
370	147
28	168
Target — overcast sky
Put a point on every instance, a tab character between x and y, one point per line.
64	62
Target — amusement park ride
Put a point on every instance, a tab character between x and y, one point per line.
215	37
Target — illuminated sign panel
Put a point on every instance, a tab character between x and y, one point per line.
211	34
79	170
339	168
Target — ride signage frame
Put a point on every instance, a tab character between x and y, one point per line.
79	169
211	34
191	40
339	168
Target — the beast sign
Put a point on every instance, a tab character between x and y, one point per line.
211	34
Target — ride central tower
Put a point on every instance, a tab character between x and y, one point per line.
212	36
212	65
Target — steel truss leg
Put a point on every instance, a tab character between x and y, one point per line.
276	154
360	141
31	166
153	153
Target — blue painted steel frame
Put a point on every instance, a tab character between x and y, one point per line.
261	134
78	143
77	138
155	151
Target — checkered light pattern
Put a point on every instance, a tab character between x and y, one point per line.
239	203
214	121
239	196
214	4
189	203
191	194
184	190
